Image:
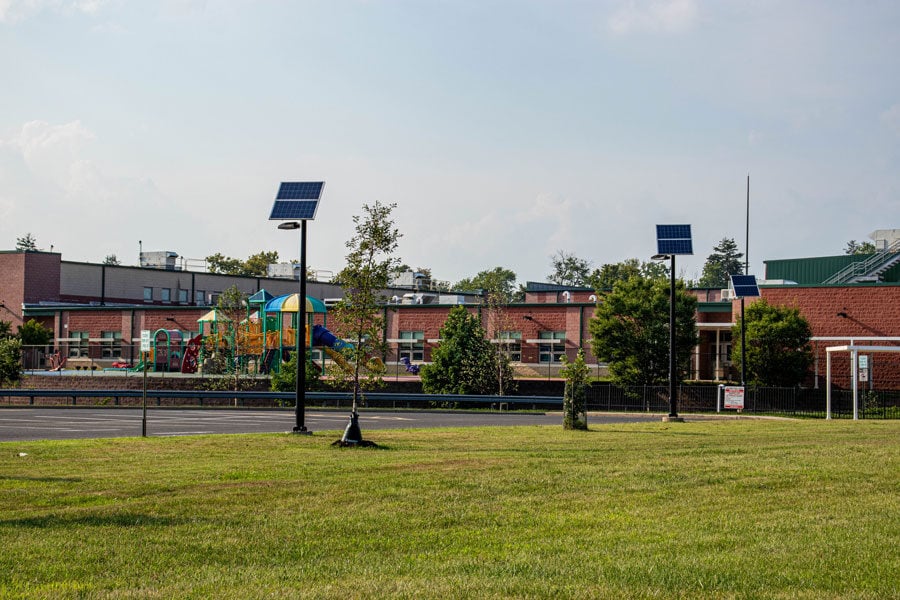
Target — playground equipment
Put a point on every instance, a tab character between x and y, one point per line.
260	342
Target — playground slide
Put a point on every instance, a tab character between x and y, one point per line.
333	346
191	355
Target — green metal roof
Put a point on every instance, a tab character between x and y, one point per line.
814	271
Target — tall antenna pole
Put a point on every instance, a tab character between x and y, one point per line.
747	233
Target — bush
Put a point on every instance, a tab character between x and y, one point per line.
286	379
10	361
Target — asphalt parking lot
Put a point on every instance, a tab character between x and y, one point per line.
19	424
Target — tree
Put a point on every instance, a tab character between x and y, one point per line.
5	330
724	261
496	281
604	278
231	342
568	269
285	380
859	248
463	363
26	244
32	333
778	352
255	266
575	392
500	326
111	260
630	330
358	315
10	361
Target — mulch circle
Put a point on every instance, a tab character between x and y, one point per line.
360	444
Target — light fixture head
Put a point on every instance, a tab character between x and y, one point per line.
289	225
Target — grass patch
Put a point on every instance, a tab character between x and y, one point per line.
723	509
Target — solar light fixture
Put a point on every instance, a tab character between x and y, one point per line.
296	203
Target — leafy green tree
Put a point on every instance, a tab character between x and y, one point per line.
255	265
463	363
358	316
499	326
604	278
724	261
495	281
111	260
10	360
27	243
32	333
568	269
778	351
854	247
5	330
575	392
630	331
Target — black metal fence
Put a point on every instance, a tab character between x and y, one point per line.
794	402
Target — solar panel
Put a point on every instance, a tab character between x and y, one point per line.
297	201
674	239
744	286
300	190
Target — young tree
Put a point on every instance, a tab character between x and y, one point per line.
575	393
26	244
32	333
724	261
111	260
358	315
463	363
500	327
630	331
778	351
854	247
5	330
496	281
568	269
231	312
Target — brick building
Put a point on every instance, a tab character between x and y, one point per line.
96	312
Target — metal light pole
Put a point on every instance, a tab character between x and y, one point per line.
673	375
300	389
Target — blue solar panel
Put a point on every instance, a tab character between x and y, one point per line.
300	190
297	200
674	239
668	232
674	247
294	209
745	286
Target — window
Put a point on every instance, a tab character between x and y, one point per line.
148	294
78	344
111	344
510	344
200	297
554	348
165	294
182	296
414	349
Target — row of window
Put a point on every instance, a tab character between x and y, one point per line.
510	342
180	296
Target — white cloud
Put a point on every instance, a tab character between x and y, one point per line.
14	11
667	16
891	118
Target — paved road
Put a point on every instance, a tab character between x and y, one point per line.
18	424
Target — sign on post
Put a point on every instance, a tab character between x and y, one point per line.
145	340
734	397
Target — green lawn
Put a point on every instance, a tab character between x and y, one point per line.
723	509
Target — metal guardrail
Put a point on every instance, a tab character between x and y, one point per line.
287	398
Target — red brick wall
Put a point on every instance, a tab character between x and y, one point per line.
871	311
41	276
12	287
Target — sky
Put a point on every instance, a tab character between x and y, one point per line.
504	131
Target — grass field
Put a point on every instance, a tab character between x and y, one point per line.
723	509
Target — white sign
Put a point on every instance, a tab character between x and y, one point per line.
734	397
863	361
863	375
145	340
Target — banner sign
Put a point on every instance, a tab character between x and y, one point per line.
734	397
